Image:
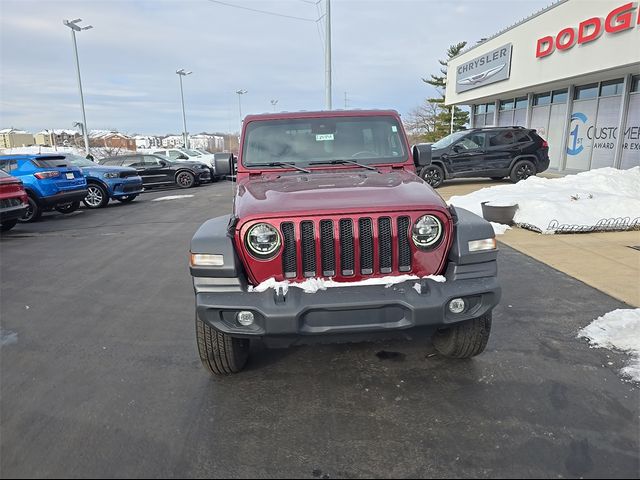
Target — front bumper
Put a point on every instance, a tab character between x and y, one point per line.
123	188
342	310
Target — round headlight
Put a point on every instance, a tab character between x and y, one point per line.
263	240
427	231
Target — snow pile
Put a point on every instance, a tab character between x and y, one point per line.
312	285
97	152
619	330
606	199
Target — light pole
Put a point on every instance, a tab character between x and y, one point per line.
327	56
181	73
240	93
73	25
274	103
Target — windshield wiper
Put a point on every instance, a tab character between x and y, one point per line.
279	164
351	162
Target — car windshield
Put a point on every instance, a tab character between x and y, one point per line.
448	140
373	139
79	161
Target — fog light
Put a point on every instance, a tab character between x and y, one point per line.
457	305
245	318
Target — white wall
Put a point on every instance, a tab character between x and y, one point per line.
527	71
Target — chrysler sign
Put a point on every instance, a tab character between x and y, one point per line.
491	67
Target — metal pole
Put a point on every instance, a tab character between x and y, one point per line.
240	106
84	116
453	110
327	56
184	116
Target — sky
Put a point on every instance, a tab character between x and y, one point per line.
381	49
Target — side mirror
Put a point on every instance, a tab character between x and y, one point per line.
183	157
422	154
163	163
223	164
456	148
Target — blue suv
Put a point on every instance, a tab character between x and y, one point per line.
104	182
50	181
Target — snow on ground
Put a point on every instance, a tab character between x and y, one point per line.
605	199
618	330
97	152
312	285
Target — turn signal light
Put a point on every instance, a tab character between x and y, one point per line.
206	260
481	245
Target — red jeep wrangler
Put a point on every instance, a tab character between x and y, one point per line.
333	235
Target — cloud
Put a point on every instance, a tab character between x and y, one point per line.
380	52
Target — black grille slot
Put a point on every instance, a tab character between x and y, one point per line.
289	260
128	173
384	236
346	247
404	249
308	249
327	248
365	228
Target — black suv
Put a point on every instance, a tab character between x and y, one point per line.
494	152
159	171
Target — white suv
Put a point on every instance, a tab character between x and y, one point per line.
184	154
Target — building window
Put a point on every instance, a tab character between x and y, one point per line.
612	87
522	102
506	105
542	99
586	91
559	96
635	84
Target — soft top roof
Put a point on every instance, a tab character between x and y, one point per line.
321	114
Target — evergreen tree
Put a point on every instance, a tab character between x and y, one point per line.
442	121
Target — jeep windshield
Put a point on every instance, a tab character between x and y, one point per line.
306	141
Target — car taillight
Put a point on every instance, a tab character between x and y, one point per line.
44	175
545	144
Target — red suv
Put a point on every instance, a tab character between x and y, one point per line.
333	235
13	201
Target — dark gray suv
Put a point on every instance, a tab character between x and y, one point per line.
493	152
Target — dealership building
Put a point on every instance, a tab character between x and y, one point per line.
571	71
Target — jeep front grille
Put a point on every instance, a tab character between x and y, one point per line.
346	246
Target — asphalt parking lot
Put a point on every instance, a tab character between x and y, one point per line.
100	374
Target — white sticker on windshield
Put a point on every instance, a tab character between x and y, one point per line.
324	137
394	129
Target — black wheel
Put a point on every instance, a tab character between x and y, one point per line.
33	212
221	354
127	198
464	340
496	178
68	207
8	225
433	175
522	170
185	179
97	196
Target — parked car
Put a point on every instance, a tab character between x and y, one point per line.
184	155
50	181
494	152
106	182
328	213
159	171
13	201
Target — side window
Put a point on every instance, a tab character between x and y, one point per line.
522	137
475	141
500	138
174	154
132	162
151	161
9	165
4	165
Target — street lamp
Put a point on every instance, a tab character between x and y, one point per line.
73	25
181	73
274	103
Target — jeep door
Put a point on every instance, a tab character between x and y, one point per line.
466	156
500	149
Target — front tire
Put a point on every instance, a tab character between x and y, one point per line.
8	225
185	179
522	170
67	208
220	353
97	196
433	175
33	213
464	340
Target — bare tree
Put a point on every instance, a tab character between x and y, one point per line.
421	122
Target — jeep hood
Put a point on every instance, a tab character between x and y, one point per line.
322	192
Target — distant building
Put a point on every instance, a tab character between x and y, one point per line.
57	137
11	138
219	145
146	141
172	141
109	139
